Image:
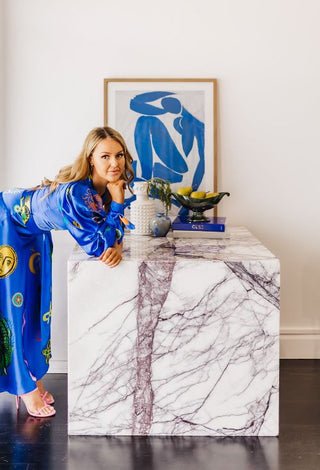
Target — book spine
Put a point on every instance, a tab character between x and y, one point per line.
200	234
198	227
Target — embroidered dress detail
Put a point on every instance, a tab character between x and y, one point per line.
6	345
127	222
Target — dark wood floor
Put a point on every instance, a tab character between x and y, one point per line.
31	443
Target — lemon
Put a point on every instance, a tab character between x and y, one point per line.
198	194
185	191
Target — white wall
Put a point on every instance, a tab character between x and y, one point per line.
2	168
265	56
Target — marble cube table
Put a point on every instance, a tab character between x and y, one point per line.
182	338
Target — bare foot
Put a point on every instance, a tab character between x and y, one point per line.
34	403
42	390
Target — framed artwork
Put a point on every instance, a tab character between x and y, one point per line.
170	128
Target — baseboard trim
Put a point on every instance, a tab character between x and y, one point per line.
58	367
299	331
300	343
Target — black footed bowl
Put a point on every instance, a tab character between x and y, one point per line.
198	206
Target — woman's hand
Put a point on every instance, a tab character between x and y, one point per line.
116	190
112	256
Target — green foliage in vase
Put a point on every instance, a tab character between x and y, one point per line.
159	188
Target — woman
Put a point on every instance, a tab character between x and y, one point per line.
86	198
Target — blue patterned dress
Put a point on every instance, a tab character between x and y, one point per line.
26	219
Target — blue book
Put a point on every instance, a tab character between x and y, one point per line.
215	224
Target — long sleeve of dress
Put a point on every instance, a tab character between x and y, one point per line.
86	220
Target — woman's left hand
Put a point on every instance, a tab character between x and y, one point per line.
112	256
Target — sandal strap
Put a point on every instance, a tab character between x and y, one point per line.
38	412
45	406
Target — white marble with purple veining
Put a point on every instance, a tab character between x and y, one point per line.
182	338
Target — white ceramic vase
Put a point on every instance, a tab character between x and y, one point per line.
142	210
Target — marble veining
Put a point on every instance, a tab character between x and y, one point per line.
182	338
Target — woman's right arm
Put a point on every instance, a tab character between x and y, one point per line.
86	220
113	255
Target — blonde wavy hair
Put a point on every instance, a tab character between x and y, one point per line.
80	169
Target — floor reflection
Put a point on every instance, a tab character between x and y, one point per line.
31	429
187	453
24	440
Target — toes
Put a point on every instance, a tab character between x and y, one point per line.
48	409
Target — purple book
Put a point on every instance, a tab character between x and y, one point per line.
215	224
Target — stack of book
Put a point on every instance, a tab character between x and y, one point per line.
214	228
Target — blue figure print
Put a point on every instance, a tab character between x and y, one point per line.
151	136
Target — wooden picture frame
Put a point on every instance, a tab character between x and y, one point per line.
169	125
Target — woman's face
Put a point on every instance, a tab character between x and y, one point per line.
108	161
